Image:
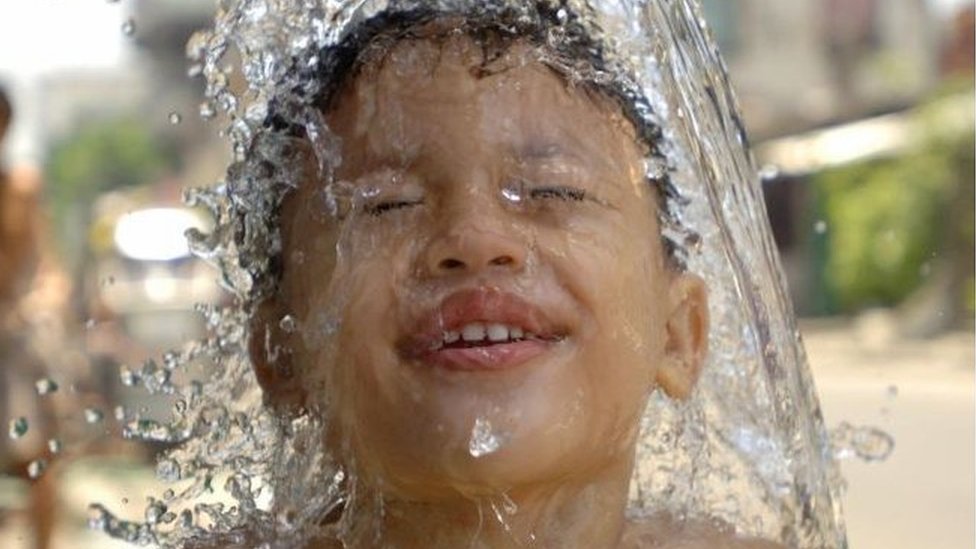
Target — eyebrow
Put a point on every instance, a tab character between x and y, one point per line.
543	150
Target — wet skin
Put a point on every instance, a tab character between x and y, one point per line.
512	199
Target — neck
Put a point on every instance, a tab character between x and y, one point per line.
579	515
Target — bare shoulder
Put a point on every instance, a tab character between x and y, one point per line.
665	533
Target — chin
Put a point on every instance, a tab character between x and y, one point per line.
447	445
434	433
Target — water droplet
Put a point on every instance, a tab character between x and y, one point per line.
769	172
93	415
171	360
98	517
18	427
107	281
151	430
119	413
509	505
693	242
287	517
287	324
90	323
156	380
129	27
128	377
483	440
36	468
54	446
655	169
45	386
125	501
866	443
186	519
207	111
512	193
155	511
820	227
175	118
168	470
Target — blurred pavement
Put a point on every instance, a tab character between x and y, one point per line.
920	392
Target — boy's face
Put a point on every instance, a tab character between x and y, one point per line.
501	266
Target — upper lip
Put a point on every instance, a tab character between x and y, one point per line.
483	305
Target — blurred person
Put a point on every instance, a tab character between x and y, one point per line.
20	365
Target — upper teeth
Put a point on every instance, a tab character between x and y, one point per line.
477	331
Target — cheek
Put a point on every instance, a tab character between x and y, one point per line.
621	339
368	376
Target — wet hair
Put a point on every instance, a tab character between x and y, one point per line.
574	52
569	50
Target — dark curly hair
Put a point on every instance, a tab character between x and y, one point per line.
572	50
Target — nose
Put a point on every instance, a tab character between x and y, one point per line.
470	248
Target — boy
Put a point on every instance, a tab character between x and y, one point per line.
484	319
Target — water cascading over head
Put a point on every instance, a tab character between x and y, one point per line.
748	448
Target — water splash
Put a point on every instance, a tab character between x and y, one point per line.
484	440
660	60
168	470
867	443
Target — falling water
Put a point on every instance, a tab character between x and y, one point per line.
749	448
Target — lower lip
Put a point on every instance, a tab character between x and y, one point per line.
499	356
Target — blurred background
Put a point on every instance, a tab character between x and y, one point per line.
861	114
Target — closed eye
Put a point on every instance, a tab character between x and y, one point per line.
560	193
384	207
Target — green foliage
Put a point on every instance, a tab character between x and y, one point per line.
890	219
103	156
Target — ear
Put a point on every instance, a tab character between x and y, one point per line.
271	350
687	336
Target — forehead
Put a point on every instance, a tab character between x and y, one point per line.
498	93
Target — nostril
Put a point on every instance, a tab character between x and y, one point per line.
502	260
451	264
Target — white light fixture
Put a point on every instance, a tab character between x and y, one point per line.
155	234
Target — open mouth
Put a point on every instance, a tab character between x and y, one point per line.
480	334
482	329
